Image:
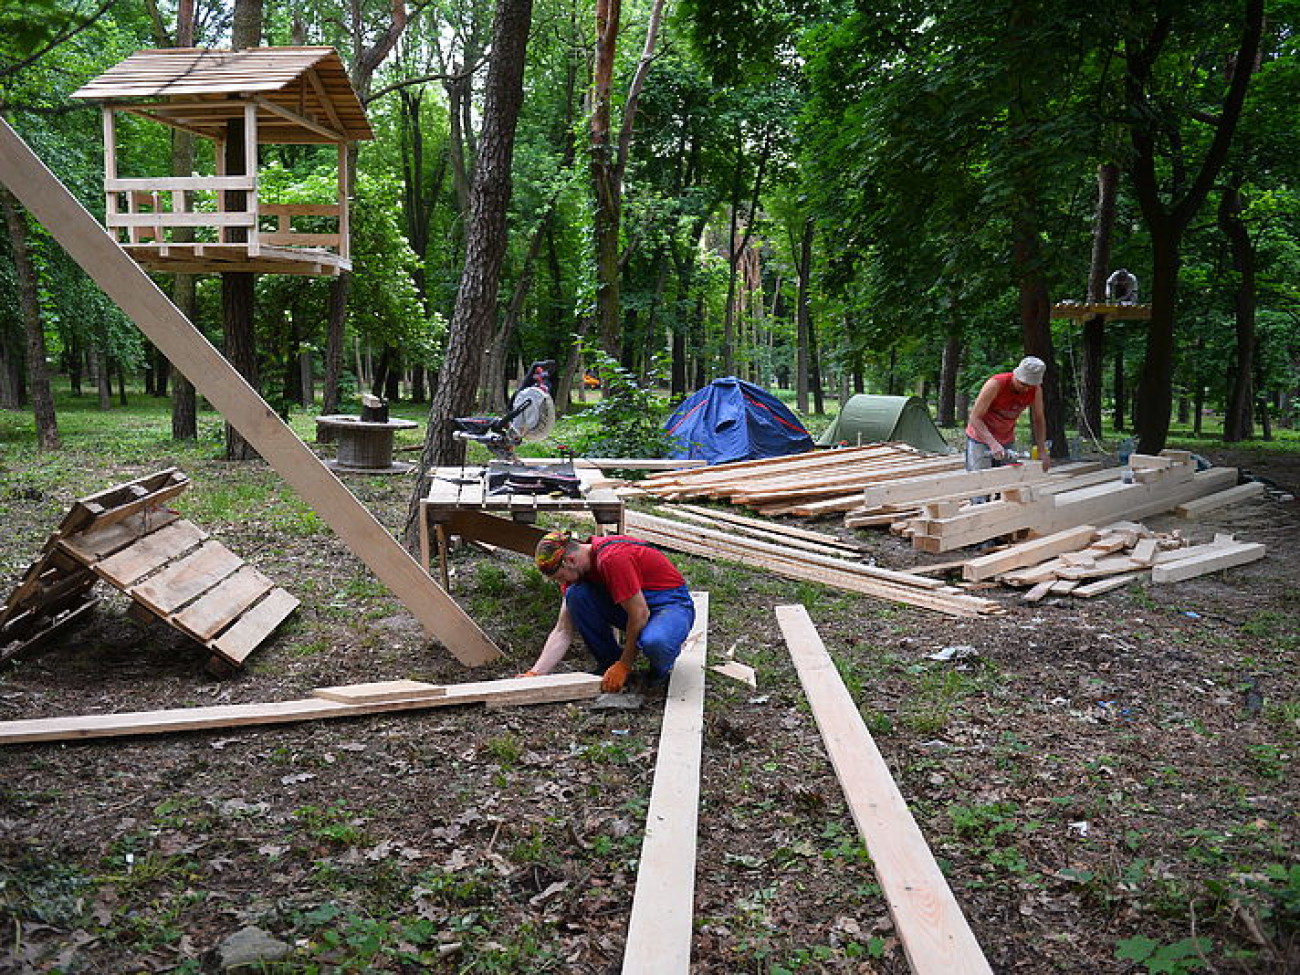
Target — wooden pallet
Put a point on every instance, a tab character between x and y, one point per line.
171	569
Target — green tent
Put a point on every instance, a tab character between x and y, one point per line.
876	419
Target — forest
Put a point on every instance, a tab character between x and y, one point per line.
819	197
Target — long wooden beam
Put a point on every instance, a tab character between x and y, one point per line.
514	690
660	925
212	375
935	936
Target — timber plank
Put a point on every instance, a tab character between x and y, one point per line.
186	578
99	544
384	690
552	687
1106	585
150	552
1027	553
220	605
1223	557
1193	510
248	632
935	935
661	923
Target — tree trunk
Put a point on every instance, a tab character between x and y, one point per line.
1094	328
1167	221
803	319
948	372
485	245
605	178
38	370
1238	417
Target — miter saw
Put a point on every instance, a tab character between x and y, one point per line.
531	417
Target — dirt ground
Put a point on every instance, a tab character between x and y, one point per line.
1109	784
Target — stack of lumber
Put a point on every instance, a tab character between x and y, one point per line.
818	483
942	494
807	562
1083	561
1159	484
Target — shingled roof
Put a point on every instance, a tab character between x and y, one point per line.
303	94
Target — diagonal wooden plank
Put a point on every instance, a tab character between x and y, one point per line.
221	384
936	938
659	928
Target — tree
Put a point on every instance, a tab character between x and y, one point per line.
485	244
1169	184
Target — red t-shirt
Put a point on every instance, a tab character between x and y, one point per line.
1005	409
626	566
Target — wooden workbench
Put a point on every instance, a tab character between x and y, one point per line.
458	504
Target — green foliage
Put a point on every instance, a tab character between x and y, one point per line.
628	420
1187	955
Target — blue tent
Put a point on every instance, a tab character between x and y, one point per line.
730	419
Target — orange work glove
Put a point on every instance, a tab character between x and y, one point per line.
615	677
529	673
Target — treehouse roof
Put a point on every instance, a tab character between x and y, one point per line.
302	94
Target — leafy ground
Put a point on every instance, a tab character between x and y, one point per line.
1110	785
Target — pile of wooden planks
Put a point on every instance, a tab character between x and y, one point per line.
1083	561
942	494
807	485
812	561
1158	484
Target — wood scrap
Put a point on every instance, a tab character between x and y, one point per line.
737	671
1027	553
385	690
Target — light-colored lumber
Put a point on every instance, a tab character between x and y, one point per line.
758	533
1102	567
1144	551
536	690
1107	584
854	577
1027	553
1225	557
780	528
1200	507
382	690
662	919
737	671
230	393
935	935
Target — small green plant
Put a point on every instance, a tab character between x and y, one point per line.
628	420
492	580
506	750
1178	958
334	825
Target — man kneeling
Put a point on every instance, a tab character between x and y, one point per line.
608	583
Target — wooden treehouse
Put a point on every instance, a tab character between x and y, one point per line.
239	100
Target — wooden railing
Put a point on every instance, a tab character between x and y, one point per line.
142	211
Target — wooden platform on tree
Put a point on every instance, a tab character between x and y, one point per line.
1111	310
171	569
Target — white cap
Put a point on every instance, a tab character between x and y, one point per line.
1030	371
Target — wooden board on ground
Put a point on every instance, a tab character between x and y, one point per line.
530	690
1222	557
383	690
1193	510
935	935
662	919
